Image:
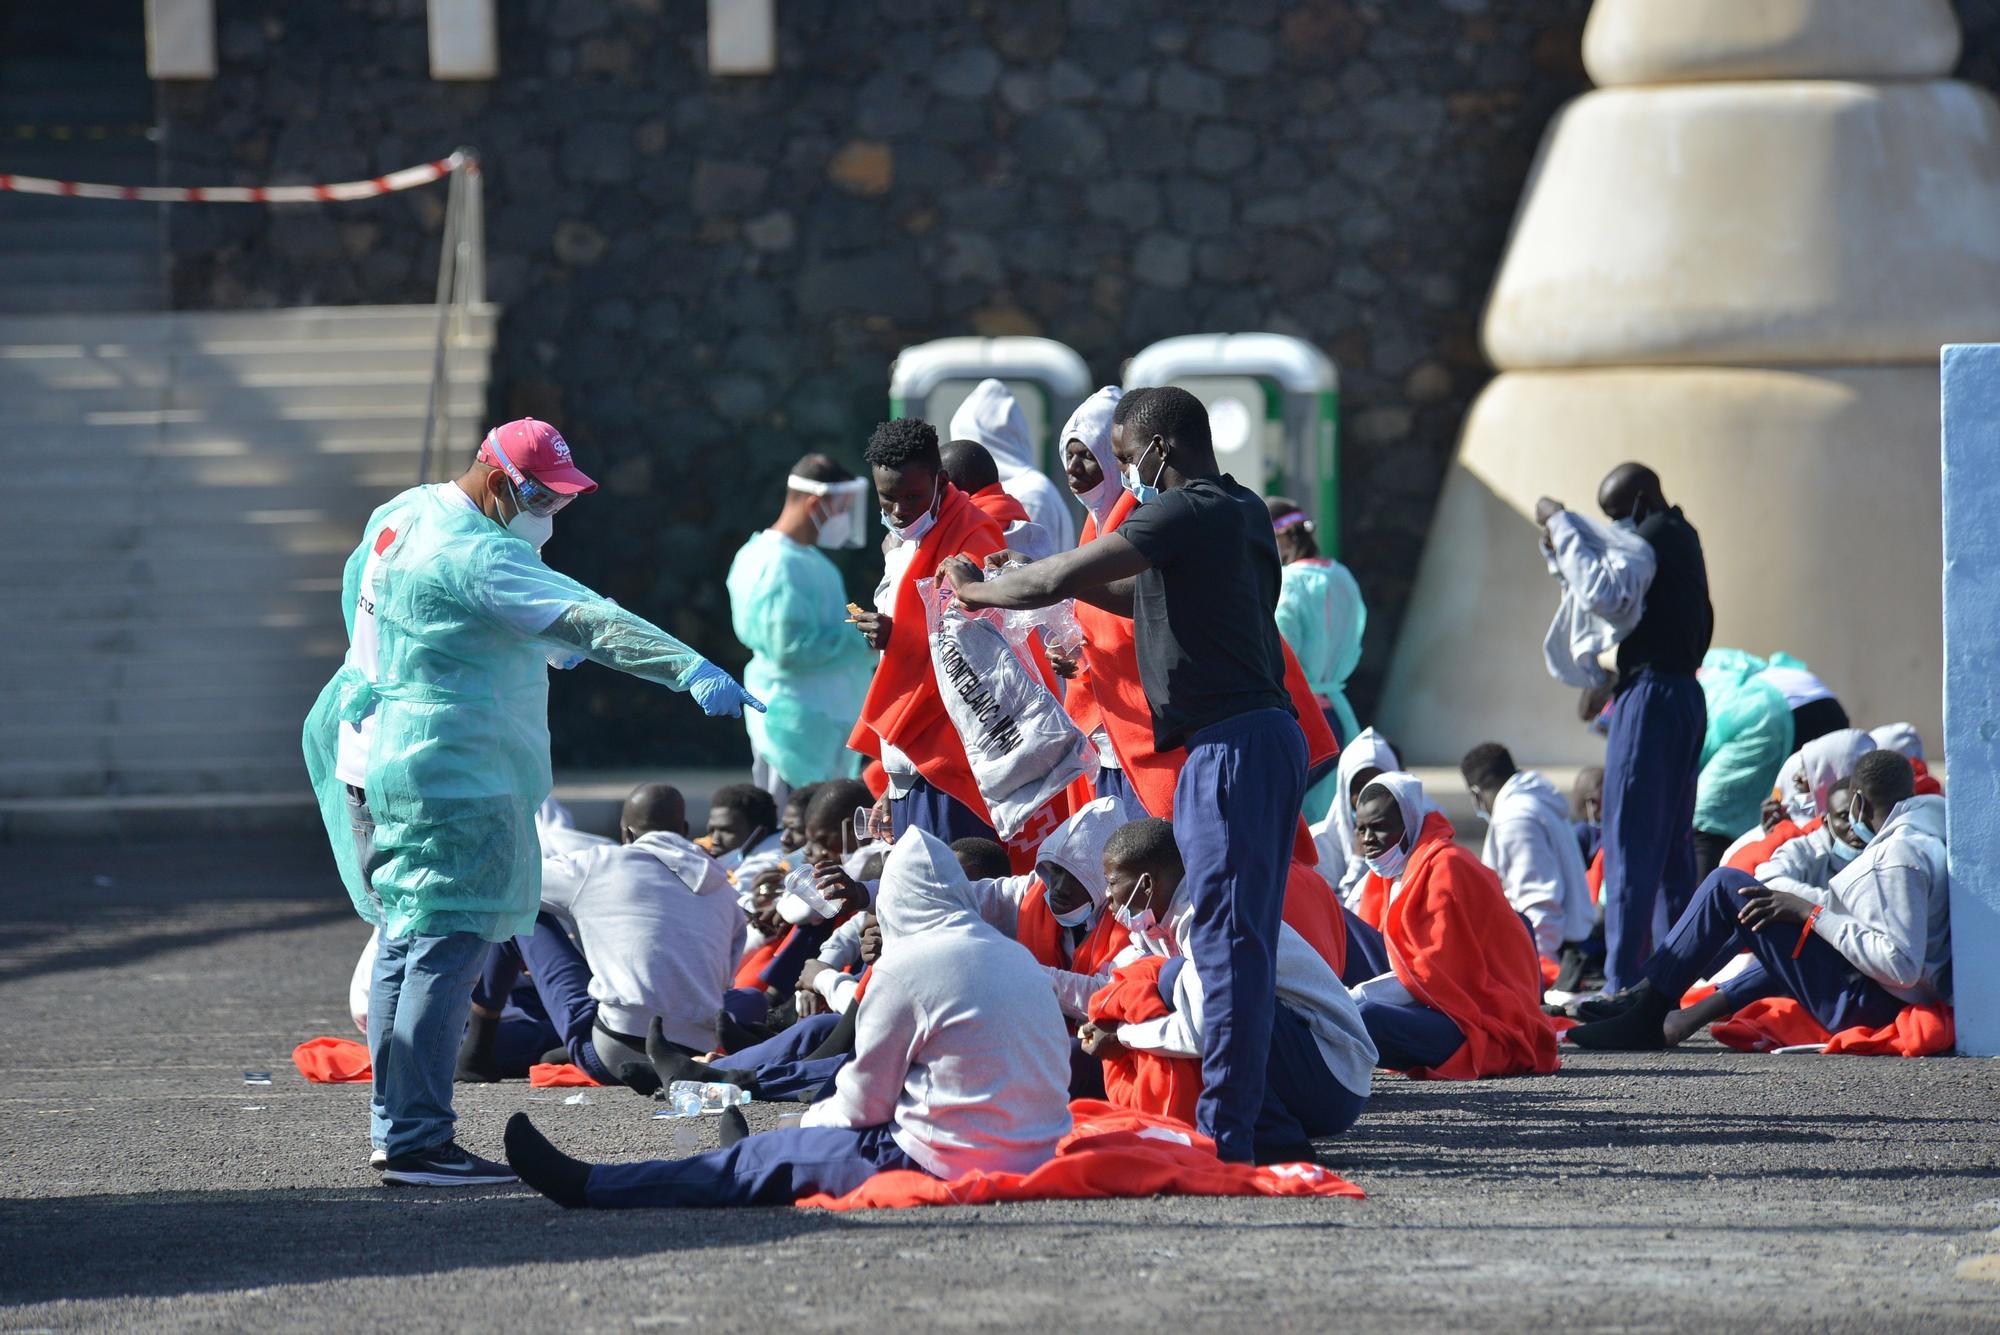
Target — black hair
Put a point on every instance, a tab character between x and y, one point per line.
822	468
802	796
981	859
1487	765
969	466
1174	414
836	800
1148	842
758	807
1128	403
905	441
1884	778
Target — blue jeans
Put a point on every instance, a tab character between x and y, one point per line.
1236	807
418	999
775	1168
562	983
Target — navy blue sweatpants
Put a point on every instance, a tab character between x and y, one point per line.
937	812
1410	1035
562	985
1821	979
1367	953
775	1168
1236	806
781	1065
1301	1096
1650	765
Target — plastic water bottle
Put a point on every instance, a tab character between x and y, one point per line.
692	1098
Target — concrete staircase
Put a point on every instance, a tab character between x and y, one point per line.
185	489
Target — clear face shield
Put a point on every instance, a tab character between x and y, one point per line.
838	508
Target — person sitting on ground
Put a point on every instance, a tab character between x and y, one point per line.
1586	809
792	820
1462	1000
970	468
1361	760
1807	865
961	1063
742	824
656	934
1531	847
1877	939
1804	782
1907	742
1317	1076
982	859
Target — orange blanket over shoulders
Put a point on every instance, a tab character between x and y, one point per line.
1312	909
1108	1152
1754	855
998	506
1781	1022
1457	945
1108	694
1144	1081
903	703
1039	931
750	973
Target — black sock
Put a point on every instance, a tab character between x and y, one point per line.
557	1057
736	1035
731	1127
1635	1029
671	1064
543	1166
476	1062
639	1077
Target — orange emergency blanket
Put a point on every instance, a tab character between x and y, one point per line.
561	1075
1108	1152
1144	1081
1781	1022
1457	945
1754	855
1039	931
333	1061
1312	909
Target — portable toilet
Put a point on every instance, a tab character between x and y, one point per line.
1047	378
1273	409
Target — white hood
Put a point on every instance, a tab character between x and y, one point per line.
923	890
1077	846
1091	424
1829	759
1530	786
991	416
699	872
1902	738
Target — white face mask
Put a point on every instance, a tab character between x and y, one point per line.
535	530
1077	916
920	526
1801	807
1391	864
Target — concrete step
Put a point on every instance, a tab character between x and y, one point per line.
70	264
68	366
405	394
387	467
24	670
61	296
189	432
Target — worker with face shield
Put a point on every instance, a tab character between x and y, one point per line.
429	752
789	608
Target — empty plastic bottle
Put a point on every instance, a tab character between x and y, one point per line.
692	1098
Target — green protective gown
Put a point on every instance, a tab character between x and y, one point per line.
1321	615
468	620
1748	737
809	667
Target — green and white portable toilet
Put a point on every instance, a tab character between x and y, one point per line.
1273	408
1047	378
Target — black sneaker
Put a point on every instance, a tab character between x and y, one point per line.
445	1165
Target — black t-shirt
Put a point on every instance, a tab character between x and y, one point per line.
1675	629
1205	616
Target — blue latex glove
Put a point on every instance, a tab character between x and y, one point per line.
718	693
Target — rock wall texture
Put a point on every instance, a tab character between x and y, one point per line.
704	278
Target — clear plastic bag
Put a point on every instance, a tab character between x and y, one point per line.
1061	634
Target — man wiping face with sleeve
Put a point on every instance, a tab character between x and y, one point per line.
429	752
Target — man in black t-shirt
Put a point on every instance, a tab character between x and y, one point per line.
1196	568
1658	717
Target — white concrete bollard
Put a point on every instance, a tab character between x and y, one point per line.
1971	411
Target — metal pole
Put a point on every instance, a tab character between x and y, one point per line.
447	276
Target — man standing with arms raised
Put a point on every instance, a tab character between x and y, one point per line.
1196	568
429	751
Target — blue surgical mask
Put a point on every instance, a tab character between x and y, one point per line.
1077	916
1843	852
1142	491
1858	825
920	526
1390	865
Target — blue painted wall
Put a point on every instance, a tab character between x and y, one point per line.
1972	685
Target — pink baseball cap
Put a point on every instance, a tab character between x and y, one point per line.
534	447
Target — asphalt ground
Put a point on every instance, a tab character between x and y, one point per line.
146	1185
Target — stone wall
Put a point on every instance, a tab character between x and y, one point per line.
705	278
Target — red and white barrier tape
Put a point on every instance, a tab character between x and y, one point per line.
405	179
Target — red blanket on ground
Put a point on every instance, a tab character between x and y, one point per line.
1457	945
1312	909
903	703
333	1061
1108	1152
1781	1022
561	1075
1144	1081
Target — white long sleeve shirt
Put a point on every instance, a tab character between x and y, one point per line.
660	928
1531	846
1804	866
1889	913
1605	572
959	1042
